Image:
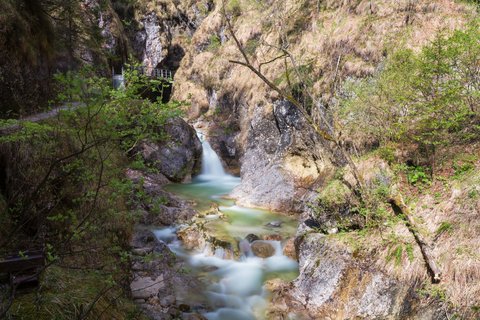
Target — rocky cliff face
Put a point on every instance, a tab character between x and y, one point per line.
178	159
282	158
335	284
163	30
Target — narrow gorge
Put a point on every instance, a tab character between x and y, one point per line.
239	159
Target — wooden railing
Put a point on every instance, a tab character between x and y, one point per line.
23	269
155	72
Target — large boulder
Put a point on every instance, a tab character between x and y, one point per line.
179	156
159	208
283	158
335	284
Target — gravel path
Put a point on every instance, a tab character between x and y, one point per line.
39	117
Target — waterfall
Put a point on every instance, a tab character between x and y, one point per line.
212	168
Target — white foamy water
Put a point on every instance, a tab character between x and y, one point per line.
238	293
212	168
236	287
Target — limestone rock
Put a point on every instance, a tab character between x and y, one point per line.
157	285
273	237
332	284
289	249
163	208
167	301
142	251
282	158
191	238
146	287
251	237
180	157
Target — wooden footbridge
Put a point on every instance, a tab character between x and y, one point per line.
154	73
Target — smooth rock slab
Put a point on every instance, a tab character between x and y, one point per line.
146	287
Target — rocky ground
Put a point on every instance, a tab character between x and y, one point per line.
160	284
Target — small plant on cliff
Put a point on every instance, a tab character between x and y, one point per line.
463	164
417	175
214	42
234	7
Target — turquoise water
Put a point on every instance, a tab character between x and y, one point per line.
240	221
234	288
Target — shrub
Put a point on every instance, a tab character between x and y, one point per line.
417	175
430	98
67	191
234	8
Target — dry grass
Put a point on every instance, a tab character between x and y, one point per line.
356	32
457	248
450	220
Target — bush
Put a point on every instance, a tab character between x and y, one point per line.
430	98
66	190
234	8
417	175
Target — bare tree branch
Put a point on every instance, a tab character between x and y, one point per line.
327	135
270	61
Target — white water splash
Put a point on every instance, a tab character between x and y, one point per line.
212	168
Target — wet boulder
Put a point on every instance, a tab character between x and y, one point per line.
289	249
262	249
272	237
177	156
251	237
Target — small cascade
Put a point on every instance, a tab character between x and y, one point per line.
211	165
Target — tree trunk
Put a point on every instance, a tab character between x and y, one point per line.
401	208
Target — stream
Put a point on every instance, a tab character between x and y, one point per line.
234	287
